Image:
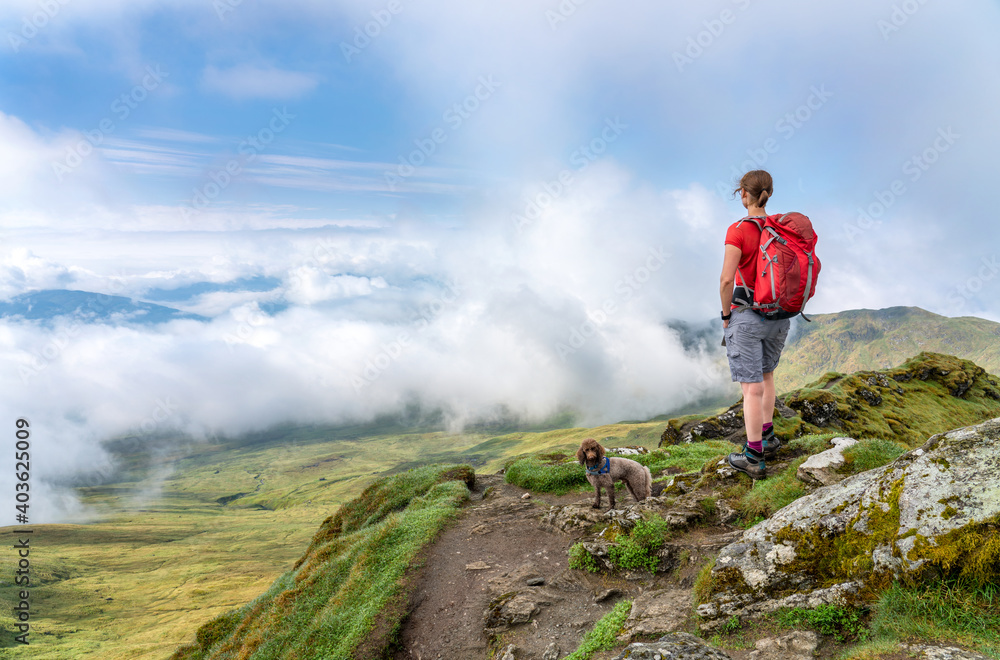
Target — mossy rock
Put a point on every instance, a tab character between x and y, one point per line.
933	511
925	395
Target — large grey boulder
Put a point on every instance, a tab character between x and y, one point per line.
934	509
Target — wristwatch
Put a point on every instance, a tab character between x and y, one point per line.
726	317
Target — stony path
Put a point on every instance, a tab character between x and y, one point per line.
499	576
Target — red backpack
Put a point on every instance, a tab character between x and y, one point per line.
787	266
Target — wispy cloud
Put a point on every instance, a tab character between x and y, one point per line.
324	174
150	158
246	81
174	135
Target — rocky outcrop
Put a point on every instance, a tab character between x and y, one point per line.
725	426
816	407
679	512
934	510
887	404
575	517
675	646
821	469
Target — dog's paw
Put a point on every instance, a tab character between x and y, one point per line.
595	506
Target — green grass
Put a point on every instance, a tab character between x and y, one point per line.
703	583
341	600
735	634
634	551
540	476
813	443
498	450
869	454
603	636
638	550
582	560
952	611
843	623
686	458
560	474
769	495
146	571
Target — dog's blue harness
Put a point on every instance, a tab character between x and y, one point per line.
603	469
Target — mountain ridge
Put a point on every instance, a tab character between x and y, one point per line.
865	339
89	307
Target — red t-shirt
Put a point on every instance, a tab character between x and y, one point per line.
745	236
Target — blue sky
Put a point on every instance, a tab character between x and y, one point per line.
448	207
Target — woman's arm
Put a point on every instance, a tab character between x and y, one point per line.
728	278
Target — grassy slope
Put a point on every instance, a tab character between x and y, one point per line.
338	600
171	558
866	339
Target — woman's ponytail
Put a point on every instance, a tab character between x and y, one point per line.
759	186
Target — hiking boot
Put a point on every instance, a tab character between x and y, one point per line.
749	463
772	444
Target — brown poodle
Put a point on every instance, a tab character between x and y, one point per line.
603	472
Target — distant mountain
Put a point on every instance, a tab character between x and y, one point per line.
89	307
259	283
865	339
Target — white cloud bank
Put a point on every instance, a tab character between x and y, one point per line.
531	321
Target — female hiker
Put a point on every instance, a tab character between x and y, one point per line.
753	343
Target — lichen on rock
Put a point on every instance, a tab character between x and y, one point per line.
675	646
821	469
935	509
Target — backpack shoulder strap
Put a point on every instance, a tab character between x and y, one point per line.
754	220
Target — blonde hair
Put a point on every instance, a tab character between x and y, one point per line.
759	186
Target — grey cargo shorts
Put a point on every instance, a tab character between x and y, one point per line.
753	345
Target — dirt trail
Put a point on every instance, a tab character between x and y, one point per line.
500	545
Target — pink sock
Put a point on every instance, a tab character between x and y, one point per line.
767	427
757	446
